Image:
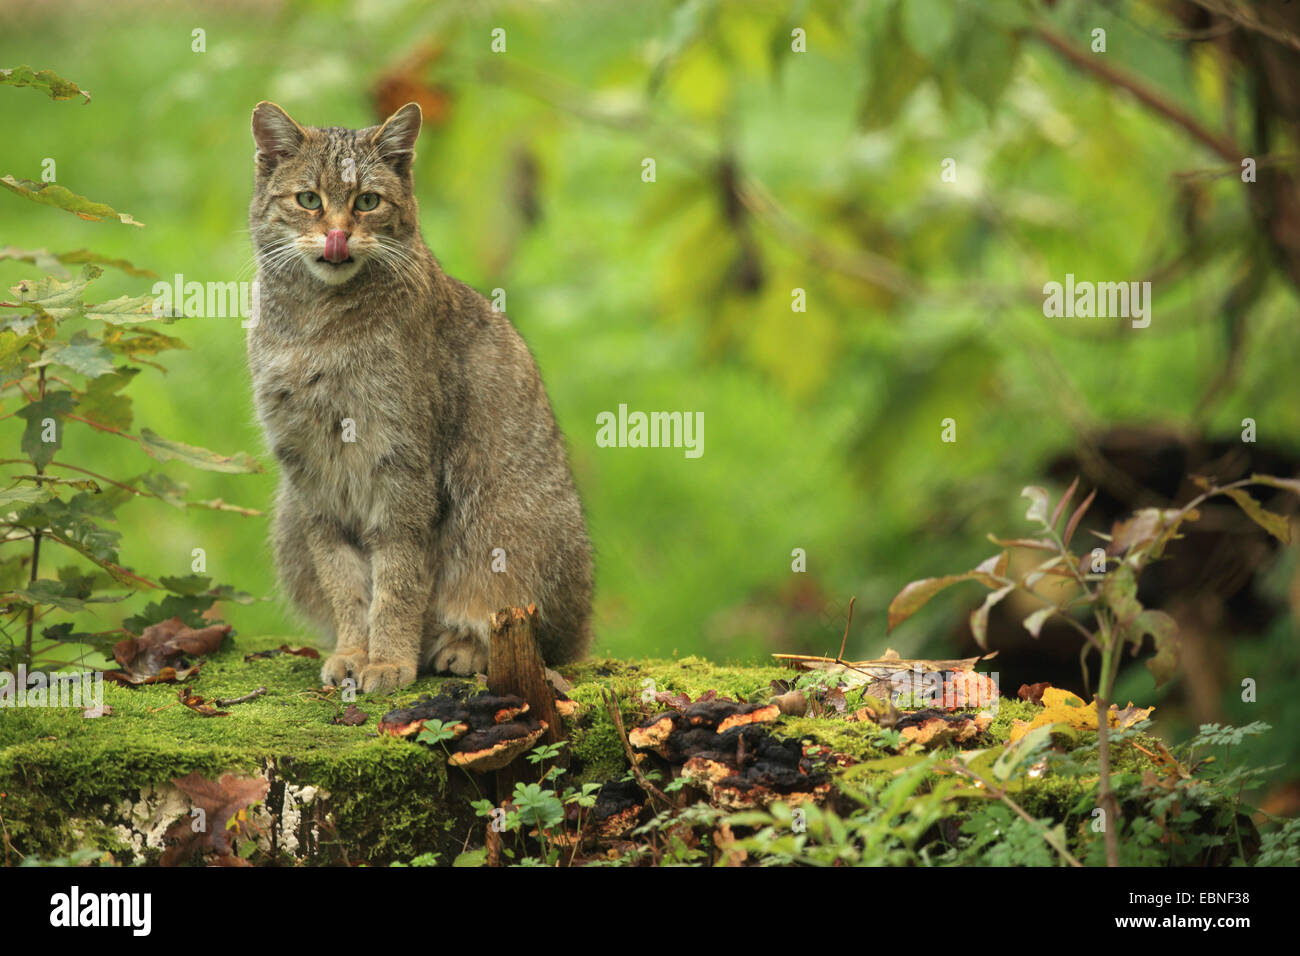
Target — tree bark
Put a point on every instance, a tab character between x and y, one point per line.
515	666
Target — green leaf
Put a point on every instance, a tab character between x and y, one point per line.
45	591
101	642
125	310
55	405
73	522
928	26
896	70
995	565
1272	522
52	194
101	403
189	608
84	355
471	857
57	297
1038	544
1164	631
23	494
1015	755
1038	504
46	81
170	491
1286	484
12	345
164	450
226	592
189	584
1009	14
1119	591
1034	623
20	325
143	341
986	61
916	594
54	262
979	619
43	259
81	484
688	21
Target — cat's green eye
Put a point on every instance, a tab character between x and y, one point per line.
367	201
309	200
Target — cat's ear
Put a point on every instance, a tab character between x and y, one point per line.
276	134
395	140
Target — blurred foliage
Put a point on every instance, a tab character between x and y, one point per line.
775	171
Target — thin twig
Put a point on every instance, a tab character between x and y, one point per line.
227	701
847	624
1243	17
1218	142
611	703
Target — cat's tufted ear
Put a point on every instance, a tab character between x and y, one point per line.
395	140
276	135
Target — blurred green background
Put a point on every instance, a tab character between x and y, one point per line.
775	170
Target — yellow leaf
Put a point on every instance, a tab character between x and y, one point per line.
1062	707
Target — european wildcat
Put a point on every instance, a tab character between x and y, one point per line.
412	427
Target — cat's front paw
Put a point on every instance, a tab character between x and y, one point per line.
382	677
339	667
462	656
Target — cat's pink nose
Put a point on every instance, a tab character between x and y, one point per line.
336	245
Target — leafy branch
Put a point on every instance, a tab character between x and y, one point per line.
67	359
1104	586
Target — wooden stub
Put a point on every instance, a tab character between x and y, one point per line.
515	666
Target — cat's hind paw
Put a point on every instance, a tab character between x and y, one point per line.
382	677
462	656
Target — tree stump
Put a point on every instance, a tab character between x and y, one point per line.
515	666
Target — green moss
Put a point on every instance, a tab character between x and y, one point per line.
1009	711
595	746
842	736
690	675
62	772
71	782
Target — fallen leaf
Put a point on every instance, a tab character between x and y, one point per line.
168	675
352	717
1062	707
1033	692
219	801
161	648
199	704
937	729
885	668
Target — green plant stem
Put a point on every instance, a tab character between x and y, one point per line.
1110	656
86	471
36	552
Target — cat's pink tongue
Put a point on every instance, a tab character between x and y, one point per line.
336	245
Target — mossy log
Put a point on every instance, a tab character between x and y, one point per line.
338	793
